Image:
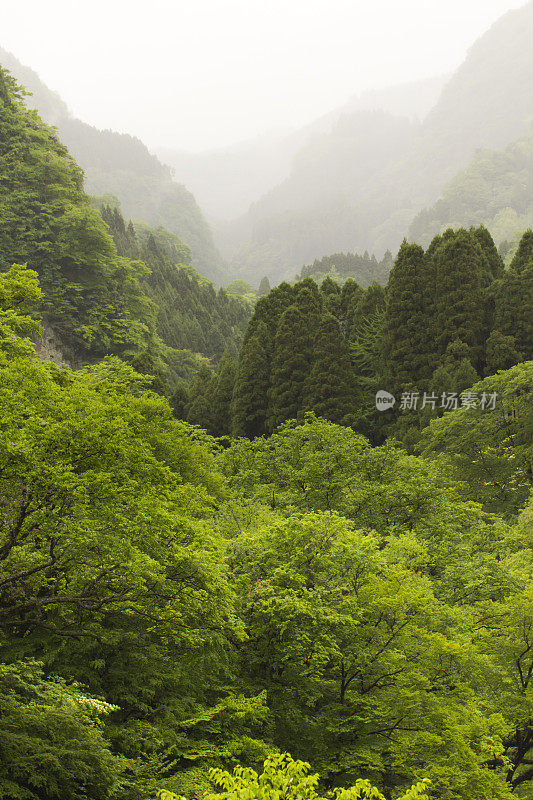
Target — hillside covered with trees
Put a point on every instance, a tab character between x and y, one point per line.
272	545
121	165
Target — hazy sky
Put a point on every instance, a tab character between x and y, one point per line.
197	74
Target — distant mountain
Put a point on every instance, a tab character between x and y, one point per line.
227	181
122	165
310	214
495	190
372	197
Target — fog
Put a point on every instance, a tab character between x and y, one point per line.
205	74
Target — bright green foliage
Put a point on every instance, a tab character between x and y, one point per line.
366	670
91	296
491	449
51	738
285	779
109	566
20	294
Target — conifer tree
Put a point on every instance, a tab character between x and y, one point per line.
199	410
264	287
501	352
351	293
459	310
513	314
250	396
332	296
524	253
223	394
290	365
493	262
330	389
406	348
180	400
455	373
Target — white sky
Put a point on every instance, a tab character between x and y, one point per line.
197	74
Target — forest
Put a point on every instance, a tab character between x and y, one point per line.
226	573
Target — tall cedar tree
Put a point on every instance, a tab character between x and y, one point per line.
250	399
264	287
330	390
199	410
290	367
524	253
406	348
460	300
493	263
513	314
223	394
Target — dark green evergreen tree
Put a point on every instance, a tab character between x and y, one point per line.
459	310
501	352
264	287
145	364
493	262
330	389
406	347
513	314
455	373
351	294
250	396
180	400
199	410
223	395
290	365
524	253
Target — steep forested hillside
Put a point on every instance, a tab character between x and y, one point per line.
93	297
495	190
191	314
227	181
311	213
369	204
120	164
125	295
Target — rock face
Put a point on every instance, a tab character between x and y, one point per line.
48	347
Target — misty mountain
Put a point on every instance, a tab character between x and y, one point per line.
373	195
495	190
122	165
228	180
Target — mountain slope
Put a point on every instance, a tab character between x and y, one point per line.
487	103
227	181
311	214
122	165
495	190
